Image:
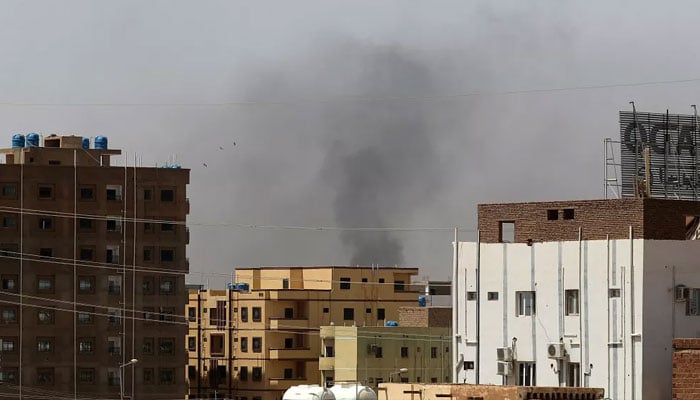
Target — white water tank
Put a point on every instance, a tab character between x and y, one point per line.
308	392
353	391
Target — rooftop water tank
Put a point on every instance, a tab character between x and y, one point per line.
101	142
86	143
243	287
33	140
353	391
421	301
391	323
308	392
17	141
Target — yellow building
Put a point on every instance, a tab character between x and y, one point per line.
420	351
416	391
276	340
208	341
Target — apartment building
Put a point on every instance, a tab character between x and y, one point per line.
92	264
578	293
417	349
428	391
209	343
276	341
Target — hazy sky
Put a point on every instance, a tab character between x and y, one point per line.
344	113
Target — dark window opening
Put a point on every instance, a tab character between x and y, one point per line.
167	255
257	314
348	314
87	254
492	296
46	252
87	193
380	314
288	313
167	195
568	213
552	215
85	223
45	192
399	286
345	283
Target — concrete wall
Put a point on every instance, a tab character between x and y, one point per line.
409	391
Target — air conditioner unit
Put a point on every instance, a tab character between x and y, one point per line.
505	368
556	350
682	293
504	354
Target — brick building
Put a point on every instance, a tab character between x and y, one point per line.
578	293
92	268
686	369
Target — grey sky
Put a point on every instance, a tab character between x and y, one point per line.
293	60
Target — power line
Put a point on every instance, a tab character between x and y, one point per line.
360	98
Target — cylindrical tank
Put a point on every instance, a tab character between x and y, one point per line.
86	143
17	141
243	287
308	392
33	140
353	391
101	142
391	323
421	301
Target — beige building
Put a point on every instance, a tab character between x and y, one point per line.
92	264
416	391
208	344
417	350
276	341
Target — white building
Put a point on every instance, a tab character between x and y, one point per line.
578	293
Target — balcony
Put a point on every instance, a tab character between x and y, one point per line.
297	353
283	323
326	363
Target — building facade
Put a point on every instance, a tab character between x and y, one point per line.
426	391
92	266
417	350
276	340
578	293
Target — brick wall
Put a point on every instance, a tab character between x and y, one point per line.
650	219
423	317
686	369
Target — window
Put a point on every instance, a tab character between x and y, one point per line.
85	315
167	195
288	372
526	374
85	224
244	314
191	372
285	283
167	285
404	352
114	316
468	365
433	352
148	194
568	213
166	376
87	253
45	252
614	292
112	254
45	284
507	231
191	314
573	374
289	313
9	282
114	224
349	314
46	223
364	280
149	314
572	303
149	375
86	284
45	344
326	310
288	343
552	215
216	344
9	221
44	376
147	346
257	374
244	344
399	286
243	374
86	375
114	192
148	227
46	191
167	227
114	284
166	346
257	314
9	315
368	310
86	345
167	255
329	351
471	296
381	314
8	190
148	254
345	283
525	303
379	352
87	193
8	344
45	316
257	344
8	375
148	285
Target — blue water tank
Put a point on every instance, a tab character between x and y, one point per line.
86	143
17	141
421	301
33	140
101	143
391	323
243	287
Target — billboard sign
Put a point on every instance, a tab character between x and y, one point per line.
672	155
